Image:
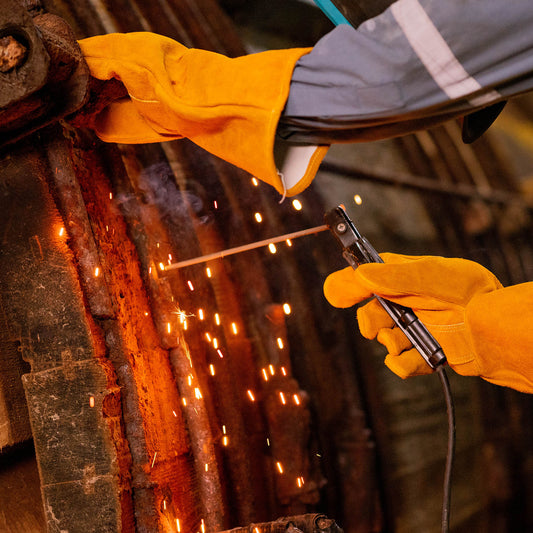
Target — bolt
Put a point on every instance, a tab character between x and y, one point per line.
323	523
341	227
12	53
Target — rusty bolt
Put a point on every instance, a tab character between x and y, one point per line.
323	523
12	53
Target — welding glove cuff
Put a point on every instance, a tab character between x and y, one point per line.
476	321
228	106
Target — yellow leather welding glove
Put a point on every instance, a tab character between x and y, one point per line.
483	328
230	107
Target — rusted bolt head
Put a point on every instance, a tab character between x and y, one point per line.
12	53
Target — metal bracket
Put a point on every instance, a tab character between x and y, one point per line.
43	76
306	523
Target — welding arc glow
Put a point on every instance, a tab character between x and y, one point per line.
244	248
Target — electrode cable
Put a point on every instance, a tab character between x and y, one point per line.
447	486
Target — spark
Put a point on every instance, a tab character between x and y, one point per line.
279	467
268	442
184	402
300	481
225	440
258	217
265	375
61	232
282	398
161	266
198	393
280	343
178	527
169	327
297	205
208	337
272	248
289	242
215	204
255	182
96	272
201	314
283	371
212	370
251	395
191	286
215	343
91	401
357	199
174	413
208	272
217	319
271	369
220	354
153	461
206	467
111	196
287	309
296	399
202	527
234	328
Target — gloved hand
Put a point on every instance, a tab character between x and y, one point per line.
483	328
230	107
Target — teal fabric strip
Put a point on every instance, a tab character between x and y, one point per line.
329	8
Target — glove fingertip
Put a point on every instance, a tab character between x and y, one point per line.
342	289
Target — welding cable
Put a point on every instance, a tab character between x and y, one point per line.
450	453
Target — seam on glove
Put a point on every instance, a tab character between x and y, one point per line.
144	101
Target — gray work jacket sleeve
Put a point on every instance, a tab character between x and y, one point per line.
418	63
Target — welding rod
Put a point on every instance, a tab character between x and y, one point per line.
245	247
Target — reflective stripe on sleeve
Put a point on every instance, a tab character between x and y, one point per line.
436	55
